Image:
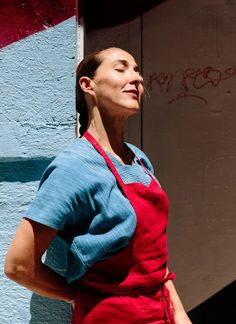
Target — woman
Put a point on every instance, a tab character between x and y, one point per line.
100	197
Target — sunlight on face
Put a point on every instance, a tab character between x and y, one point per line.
118	84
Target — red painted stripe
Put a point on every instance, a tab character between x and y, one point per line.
21	18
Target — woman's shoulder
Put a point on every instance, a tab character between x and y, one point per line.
78	155
80	149
79	161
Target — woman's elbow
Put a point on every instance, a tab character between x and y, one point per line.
17	270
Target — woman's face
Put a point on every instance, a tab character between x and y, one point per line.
117	84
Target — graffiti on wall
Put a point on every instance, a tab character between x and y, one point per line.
186	83
21	18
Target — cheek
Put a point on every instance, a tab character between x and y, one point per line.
110	89
107	93
107	85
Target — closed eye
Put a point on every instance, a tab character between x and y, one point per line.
120	70
136	69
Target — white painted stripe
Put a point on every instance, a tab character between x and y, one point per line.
80	54
80	39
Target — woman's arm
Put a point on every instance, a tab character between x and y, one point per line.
179	313
23	262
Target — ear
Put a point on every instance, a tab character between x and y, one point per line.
86	84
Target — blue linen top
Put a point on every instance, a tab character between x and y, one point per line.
78	195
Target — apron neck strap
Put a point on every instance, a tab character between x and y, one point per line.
141	163
101	151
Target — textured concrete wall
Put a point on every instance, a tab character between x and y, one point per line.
36	122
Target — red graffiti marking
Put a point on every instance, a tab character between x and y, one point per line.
21	18
189	80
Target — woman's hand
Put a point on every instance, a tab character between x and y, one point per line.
179	313
72	303
181	318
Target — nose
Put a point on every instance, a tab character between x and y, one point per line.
140	79
136	78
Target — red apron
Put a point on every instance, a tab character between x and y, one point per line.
129	287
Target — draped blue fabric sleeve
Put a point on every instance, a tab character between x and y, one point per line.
78	196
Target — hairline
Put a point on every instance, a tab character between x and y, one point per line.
123	61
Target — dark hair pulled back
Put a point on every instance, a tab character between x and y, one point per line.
87	67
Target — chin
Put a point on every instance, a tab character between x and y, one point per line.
133	110
127	109
133	106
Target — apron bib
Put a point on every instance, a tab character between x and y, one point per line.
129	288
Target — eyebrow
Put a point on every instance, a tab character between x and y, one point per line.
125	63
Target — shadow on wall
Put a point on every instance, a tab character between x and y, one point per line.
106	13
23	170
219	309
49	311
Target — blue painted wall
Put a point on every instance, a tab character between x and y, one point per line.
36	122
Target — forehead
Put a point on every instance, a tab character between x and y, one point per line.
116	55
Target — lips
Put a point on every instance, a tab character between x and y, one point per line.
133	91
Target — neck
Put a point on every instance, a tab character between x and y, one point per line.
109	133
